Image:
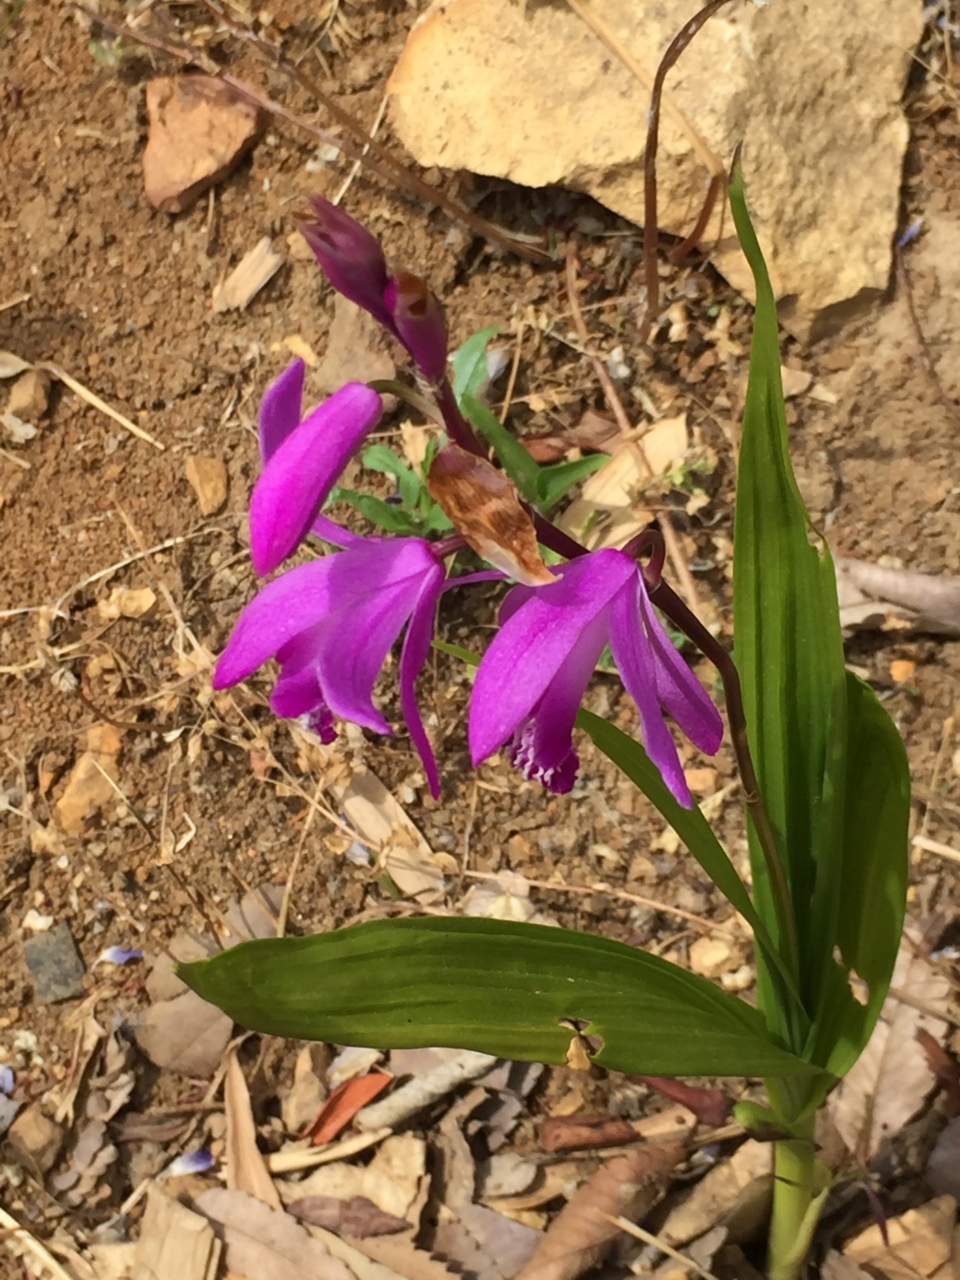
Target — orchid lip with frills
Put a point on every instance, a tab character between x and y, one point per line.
533	676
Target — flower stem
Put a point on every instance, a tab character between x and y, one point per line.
666	599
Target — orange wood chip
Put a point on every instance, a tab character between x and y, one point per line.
343	1104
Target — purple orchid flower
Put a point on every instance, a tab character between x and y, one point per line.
352	260
533	676
331	624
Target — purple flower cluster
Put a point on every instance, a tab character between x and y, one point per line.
332	622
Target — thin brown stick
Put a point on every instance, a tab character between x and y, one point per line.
651	229
670	540
923	350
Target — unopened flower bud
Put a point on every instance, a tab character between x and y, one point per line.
418	322
350	257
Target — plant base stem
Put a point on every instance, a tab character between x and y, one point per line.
801	1183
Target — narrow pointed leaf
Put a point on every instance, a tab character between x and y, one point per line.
469	363
383	459
789	648
554	481
518	991
378	512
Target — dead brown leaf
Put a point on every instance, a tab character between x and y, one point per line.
246	1170
357	1216
356	349
890	1080
185	1034
256	268
265	1243
921	1244
174	1241
580	1235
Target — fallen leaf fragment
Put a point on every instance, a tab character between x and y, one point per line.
265	1243
473	1237
394	1182
356	349
579	1237
301	1103
357	1216
876	596
30	395
207	478
719	1193
185	1034
943	1167
36	1139
87	788
174	1241
921	1243
382	825
255	269
199	131
344	1103
246	1170
711	1106
892	1076
580	1132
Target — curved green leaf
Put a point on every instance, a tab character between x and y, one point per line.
515	990
515	459
469	363
871	886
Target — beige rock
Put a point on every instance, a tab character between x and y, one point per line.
88	786
712	956
36	1139
207	478
30	395
796	382
199	130
529	93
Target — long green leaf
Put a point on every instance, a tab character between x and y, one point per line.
787	638
690	825
873	881
515	990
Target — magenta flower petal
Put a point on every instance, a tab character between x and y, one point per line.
280	409
350	257
680	692
276	615
334	533
634	657
416	647
533	643
297	480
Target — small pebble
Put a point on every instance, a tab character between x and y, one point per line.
55	965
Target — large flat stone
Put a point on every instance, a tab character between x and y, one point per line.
528	92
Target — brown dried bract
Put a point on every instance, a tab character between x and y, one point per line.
485	509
